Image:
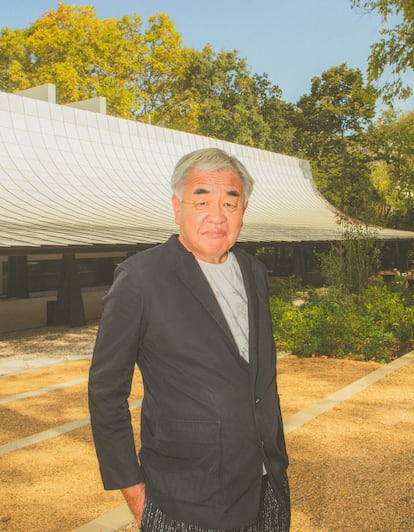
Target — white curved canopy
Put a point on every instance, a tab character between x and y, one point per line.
70	177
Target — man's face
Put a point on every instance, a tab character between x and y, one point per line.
210	214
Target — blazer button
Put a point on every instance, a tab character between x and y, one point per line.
257	400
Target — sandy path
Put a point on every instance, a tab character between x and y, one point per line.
351	468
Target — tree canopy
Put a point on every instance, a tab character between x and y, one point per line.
331	121
86	56
392	146
396	47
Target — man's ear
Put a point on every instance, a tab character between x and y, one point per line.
176	203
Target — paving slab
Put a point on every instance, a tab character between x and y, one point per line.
14	365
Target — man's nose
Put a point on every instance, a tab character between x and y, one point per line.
217	212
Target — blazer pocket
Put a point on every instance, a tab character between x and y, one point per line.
185	460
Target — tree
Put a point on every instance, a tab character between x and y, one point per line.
73	49
392	145
234	104
396	47
157	86
86	56
222	85
278	115
331	121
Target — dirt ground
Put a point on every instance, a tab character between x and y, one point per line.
351	468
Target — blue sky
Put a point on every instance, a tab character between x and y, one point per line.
291	40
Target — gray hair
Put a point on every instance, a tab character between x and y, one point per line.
209	160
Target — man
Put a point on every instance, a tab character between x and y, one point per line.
193	313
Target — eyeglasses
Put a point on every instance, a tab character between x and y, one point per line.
205	206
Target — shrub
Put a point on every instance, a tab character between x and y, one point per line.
284	288
393	313
373	325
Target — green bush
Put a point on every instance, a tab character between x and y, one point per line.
284	288
376	324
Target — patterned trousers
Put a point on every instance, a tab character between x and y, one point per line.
274	515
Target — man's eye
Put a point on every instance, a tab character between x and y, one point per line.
230	206
201	205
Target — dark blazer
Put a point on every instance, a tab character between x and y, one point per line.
209	419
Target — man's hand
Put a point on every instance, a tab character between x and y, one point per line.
135	496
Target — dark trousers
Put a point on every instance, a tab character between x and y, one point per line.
274	515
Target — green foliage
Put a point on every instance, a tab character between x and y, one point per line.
133	67
392	168
284	288
280	310
278	115
395	49
376	324
234	104
350	263
331	121
340	105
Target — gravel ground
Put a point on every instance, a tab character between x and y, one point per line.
351	468
48	342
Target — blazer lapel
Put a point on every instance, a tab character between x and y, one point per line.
190	274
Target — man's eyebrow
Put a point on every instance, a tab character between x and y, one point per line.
233	193
201	191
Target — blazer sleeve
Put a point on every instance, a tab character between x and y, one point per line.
110	380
